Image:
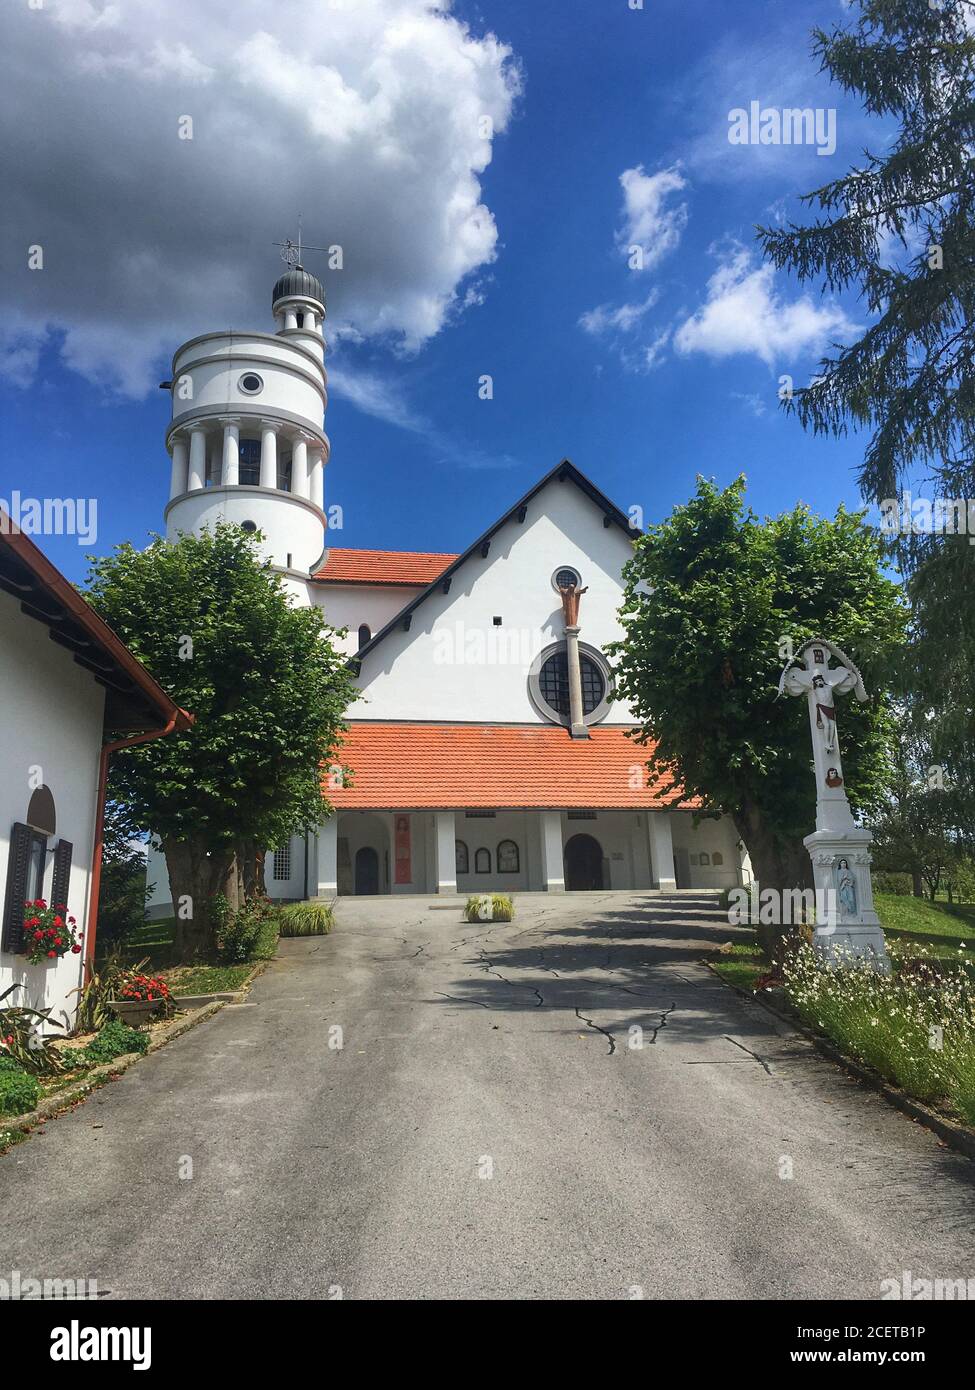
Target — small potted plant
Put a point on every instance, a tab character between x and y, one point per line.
49	933
139	998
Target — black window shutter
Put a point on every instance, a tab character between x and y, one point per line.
62	873
13	904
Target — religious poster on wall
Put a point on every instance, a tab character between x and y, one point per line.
404	872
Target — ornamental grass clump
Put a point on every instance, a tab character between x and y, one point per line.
306	919
489	907
916	1028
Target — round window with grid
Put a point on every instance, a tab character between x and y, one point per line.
553	683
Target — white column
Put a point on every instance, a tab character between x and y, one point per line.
553	870
269	456
327	858
661	851
291	318
310	320
231	455
197	476
446	853
299	468
576	722
178	478
316	482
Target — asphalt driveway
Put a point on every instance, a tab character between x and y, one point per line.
565	1106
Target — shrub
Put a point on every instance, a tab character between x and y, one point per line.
240	932
115	1040
884	881
18	1091
306	919
489	907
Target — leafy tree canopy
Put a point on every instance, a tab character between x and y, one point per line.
712	593
268	690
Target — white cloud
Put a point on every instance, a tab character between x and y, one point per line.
384	398
376	395
744	313
655	353
605	319
751	400
368	118
648	220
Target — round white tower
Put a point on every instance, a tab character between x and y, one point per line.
247	437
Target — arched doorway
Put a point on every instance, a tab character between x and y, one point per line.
366	871
583	858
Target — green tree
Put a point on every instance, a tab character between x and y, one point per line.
124	887
268	691
914	831
712	593
899	230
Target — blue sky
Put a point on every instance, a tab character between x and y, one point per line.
643	378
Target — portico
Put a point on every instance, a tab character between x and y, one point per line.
410	851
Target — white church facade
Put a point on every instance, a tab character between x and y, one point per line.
487	749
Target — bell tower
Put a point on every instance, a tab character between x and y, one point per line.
247	436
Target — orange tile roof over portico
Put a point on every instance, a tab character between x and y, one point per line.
406	766
393	567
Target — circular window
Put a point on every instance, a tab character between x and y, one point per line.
548	684
565	577
250	383
248	525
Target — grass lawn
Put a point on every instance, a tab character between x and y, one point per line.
207	979
913	927
919	1037
155	940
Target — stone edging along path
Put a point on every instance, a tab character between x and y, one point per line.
15	1127
958	1136
198	1007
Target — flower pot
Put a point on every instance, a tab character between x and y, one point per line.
135	1011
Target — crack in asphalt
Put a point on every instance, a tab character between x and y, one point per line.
515	984
589	1023
665	1014
457	999
758	1059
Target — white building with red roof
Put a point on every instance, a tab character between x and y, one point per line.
487	748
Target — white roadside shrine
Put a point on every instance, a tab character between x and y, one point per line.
838	847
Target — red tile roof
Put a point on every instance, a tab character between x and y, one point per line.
417	568
470	766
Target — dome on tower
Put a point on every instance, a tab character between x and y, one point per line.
298	281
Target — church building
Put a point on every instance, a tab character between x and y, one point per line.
487	748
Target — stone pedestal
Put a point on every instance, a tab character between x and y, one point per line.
847	927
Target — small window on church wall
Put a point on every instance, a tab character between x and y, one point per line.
461	858
482	861
717	859
365	635
565	578
508	861
705	860
250	383
282	864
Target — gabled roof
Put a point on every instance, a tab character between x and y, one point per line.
386	567
134	701
562	472
493	767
